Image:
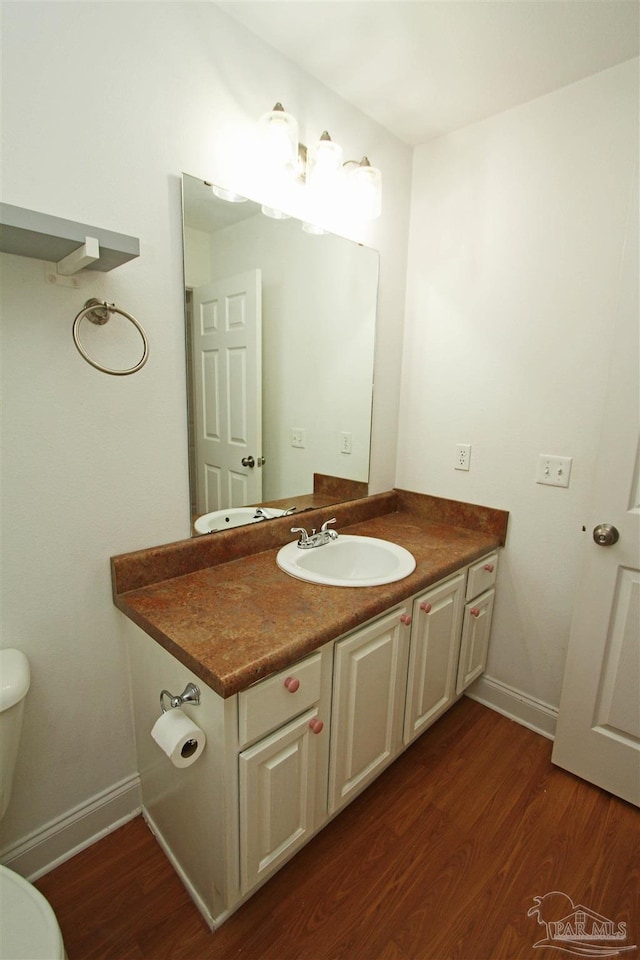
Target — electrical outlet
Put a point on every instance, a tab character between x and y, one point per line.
298	437
345	443
463	456
554	471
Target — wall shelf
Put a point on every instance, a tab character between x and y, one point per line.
73	246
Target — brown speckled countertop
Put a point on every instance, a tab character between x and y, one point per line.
232	616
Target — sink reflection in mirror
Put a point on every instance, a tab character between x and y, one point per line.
295	399
348	561
236	517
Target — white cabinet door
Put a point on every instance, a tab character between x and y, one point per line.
277	797
368	704
475	639
433	656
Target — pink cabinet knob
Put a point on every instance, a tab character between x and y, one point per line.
488	567
425	607
406	619
475	611
292	684
316	725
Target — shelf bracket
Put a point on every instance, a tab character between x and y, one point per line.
83	257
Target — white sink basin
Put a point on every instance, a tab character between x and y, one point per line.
235	517
348	562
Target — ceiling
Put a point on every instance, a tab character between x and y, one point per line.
422	68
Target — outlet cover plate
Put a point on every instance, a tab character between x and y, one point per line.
463	456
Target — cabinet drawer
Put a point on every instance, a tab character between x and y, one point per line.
279	698
482	576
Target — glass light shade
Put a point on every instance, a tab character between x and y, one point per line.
274	213
324	162
279	138
314	229
228	195
365	189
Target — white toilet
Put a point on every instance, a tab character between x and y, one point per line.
28	926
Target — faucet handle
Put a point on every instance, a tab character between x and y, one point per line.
304	536
323	528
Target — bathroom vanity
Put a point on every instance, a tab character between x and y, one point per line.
307	692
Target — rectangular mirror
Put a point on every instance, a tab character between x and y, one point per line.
280	330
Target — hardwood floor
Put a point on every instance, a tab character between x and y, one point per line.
439	859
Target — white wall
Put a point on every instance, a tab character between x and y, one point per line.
105	104
516	239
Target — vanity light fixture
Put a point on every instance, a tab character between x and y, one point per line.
353	186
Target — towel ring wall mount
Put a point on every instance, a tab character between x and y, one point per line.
99	312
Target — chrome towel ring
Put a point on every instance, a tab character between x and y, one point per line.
99	312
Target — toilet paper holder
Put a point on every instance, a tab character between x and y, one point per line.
190	694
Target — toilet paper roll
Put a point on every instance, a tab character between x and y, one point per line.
181	739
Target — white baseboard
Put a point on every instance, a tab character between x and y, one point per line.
175	863
61	839
518	706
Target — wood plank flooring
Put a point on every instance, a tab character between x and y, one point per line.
439	859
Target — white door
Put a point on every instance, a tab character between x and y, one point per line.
598	732
227	375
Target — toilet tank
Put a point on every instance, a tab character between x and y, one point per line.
14	684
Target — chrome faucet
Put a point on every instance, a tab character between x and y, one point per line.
267	514
308	541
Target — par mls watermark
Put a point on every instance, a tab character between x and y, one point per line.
577	929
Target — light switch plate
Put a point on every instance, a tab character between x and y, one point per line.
298	437
554	471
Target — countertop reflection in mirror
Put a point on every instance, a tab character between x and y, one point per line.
280	330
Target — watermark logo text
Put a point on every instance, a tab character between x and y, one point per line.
577	929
